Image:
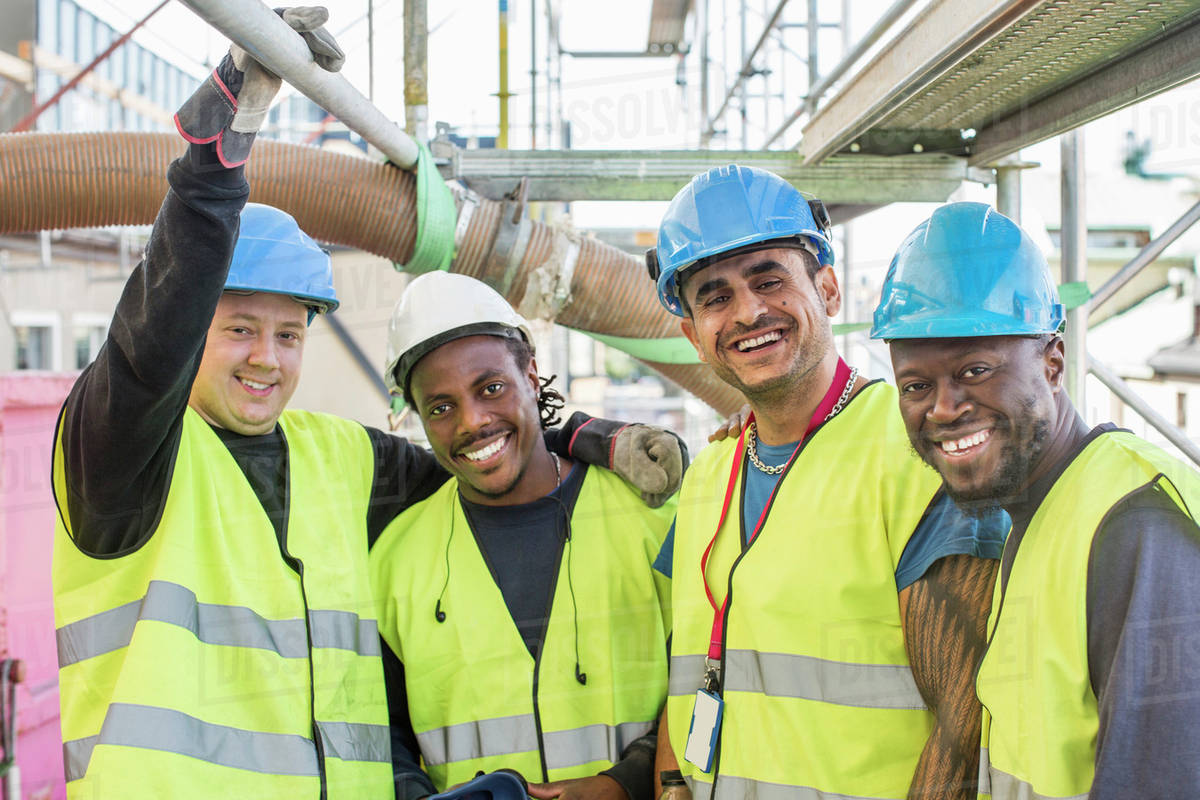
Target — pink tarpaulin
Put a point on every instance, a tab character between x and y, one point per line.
29	403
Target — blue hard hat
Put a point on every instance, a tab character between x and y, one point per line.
273	255
731	208
967	271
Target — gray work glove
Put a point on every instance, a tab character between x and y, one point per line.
230	107
651	459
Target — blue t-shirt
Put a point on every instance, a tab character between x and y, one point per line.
944	530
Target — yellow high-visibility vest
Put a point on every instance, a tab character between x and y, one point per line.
819	695
476	697
201	662
1040	716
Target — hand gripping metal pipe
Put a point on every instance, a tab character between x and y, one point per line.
260	31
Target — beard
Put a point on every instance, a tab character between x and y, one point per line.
779	388
1007	485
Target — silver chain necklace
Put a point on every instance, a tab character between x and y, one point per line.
752	435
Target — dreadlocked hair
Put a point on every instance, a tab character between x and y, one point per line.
549	401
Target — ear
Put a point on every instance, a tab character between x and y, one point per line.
531	374
826	284
1054	354
689	330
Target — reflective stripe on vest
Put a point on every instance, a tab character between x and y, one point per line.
820	700
512	735
232	626
1041	717
1007	786
749	789
806	677
471	681
274	753
186	661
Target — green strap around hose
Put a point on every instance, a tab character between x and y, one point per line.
436	218
1074	294
678	350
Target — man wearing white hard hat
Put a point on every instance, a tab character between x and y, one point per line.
524	622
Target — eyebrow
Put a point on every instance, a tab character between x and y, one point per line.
757	268
479	379
245	317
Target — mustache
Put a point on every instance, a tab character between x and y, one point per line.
740	331
486	433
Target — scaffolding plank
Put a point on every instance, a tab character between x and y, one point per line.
1160	64
658	174
932	44
1021	72
666	24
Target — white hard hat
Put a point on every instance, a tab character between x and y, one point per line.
439	307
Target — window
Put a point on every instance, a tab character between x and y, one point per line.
35	340
89	333
33	347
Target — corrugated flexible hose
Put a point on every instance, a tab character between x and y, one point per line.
81	180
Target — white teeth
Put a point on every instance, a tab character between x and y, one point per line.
773	336
965	442
487	452
254	384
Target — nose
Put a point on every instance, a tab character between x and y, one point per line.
264	353
474	416
748	306
949	403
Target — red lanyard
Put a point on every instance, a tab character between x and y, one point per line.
840	376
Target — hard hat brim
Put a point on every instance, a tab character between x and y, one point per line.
934	324
407	362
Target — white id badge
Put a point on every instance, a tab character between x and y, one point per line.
706	723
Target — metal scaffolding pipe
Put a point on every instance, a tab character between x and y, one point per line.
1130	398
1008	191
743	73
872	36
533	78
503	94
260	31
416	69
1074	260
368	368
702	25
1146	255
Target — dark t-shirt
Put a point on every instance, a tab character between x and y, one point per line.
522	546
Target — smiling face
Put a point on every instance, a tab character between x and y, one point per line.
251	362
979	410
760	320
479	409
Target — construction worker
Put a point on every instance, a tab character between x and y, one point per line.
522	617
823	588
1089	679
215	629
